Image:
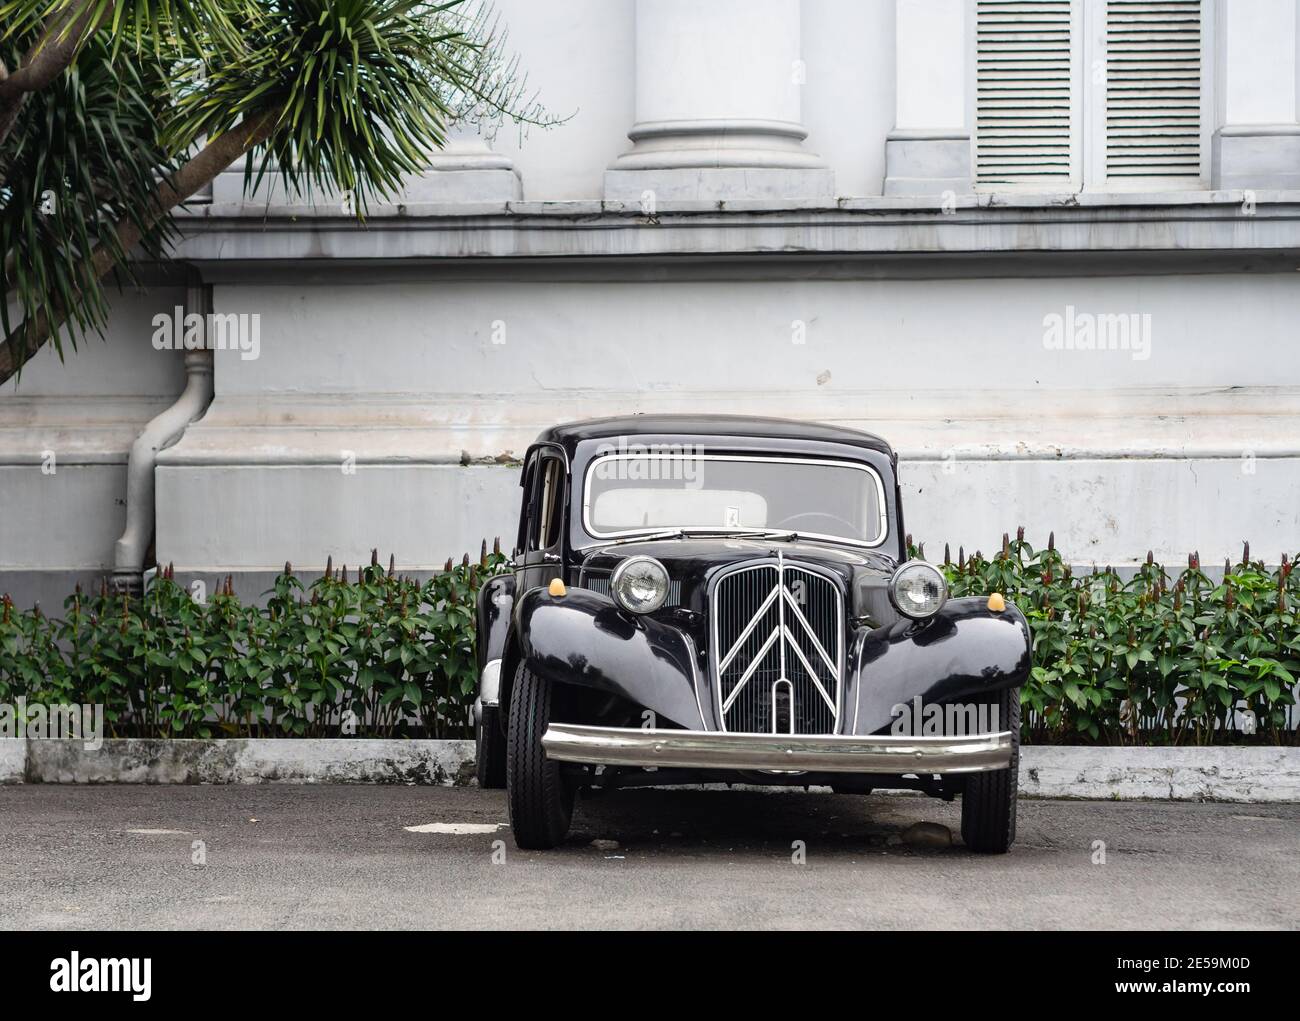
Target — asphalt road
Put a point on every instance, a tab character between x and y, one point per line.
285	857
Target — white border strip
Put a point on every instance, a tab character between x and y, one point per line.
1244	775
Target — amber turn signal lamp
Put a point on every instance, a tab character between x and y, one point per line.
557	588
996	603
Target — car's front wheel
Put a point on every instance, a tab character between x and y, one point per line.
988	805
540	800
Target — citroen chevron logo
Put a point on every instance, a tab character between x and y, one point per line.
792	636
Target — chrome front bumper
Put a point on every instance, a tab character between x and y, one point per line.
696	749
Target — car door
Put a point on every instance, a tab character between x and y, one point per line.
542	536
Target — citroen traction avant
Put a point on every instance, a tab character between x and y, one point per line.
729	599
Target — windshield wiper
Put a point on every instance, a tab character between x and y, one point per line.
675	533
687	533
749	533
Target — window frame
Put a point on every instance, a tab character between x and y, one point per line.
527	482
882	510
542	515
1088	108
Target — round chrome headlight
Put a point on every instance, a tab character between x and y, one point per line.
640	584
918	590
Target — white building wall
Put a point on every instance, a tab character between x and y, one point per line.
1190	448
679	332
848	98
65	431
865	304
580	57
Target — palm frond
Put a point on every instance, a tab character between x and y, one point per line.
344	96
83	157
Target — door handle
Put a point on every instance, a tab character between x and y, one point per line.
552	558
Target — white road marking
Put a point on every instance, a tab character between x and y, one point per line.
457	828
161	833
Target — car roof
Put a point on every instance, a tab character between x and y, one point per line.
570	434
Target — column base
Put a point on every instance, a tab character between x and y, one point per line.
718	160
927	163
717	184
1263	156
466	170
464	186
463	171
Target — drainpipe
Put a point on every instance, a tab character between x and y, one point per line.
163	431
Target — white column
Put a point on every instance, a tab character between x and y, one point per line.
717	105
1257	144
929	150
466	169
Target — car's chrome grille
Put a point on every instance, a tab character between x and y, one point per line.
778	649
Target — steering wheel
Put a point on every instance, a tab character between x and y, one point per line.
790	523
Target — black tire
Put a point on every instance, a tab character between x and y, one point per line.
541	802
490	750
988	805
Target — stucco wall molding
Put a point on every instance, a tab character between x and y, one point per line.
1177	225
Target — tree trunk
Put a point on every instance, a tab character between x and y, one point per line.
48	58
29	337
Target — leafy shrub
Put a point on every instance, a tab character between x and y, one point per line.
374	654
1151	660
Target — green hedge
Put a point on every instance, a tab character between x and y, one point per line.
375	654
1156	659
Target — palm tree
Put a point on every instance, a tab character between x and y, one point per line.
117	111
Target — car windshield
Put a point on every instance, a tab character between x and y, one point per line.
630	493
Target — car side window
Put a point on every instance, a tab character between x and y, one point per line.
550	504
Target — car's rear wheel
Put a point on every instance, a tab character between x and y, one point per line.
490	749
540	800
988	805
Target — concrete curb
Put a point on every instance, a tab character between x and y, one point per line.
1254	774
259	760
13	760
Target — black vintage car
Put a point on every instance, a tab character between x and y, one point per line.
716	598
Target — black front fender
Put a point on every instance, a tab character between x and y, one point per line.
583	638
966	651
494	610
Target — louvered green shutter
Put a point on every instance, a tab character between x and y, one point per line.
1153	88
1025	99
